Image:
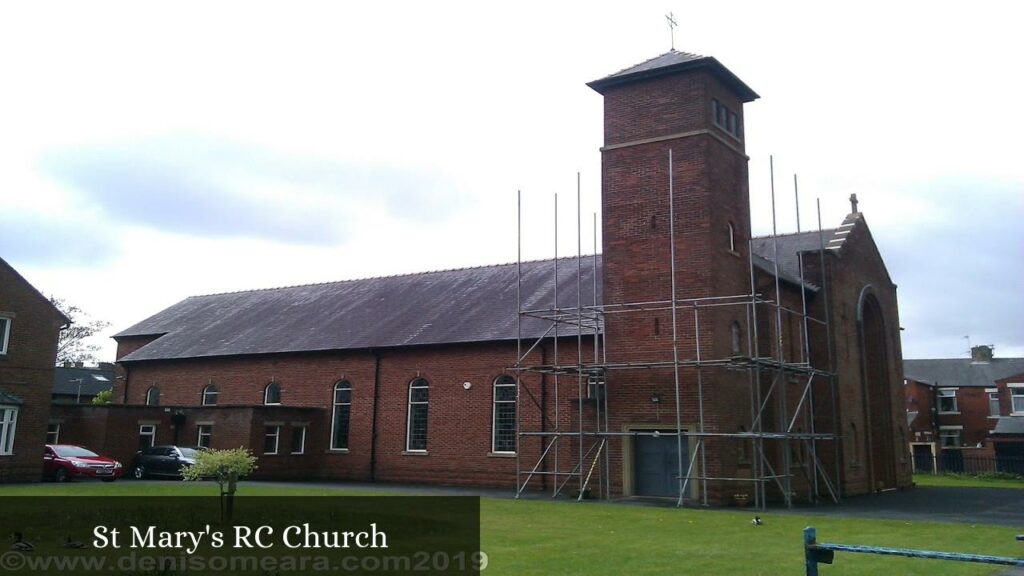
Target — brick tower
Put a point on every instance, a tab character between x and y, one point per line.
693	106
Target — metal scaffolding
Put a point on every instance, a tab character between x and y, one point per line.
576	455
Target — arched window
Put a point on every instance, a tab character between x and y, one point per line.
416	431
210	394
503	430
737	342
153	396
272	394
341	415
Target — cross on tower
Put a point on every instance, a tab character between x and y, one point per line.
853	203
672	28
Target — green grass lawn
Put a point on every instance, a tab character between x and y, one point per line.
547	537
965	482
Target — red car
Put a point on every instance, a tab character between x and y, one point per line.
64	462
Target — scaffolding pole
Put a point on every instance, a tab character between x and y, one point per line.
775	429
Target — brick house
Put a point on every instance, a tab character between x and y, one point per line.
960	408
29	328
412	378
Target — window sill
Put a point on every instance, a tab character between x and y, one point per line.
296	453
415	453
271	454
337	451
501	454
949	413
734	253
994	417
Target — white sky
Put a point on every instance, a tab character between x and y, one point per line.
149	153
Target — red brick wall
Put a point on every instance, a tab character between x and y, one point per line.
857	266
26	371
920	398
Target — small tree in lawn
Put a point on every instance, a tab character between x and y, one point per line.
224	467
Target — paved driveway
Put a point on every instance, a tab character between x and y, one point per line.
1001	506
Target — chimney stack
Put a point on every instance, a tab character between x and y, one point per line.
981	353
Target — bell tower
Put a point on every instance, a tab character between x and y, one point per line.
692	106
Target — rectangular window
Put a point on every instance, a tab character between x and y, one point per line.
53	433
947	401
204	432
949	437
270	439
1016	398
5	334
993	402
8	425
299	440
147	436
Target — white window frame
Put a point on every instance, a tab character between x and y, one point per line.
945	393
147	430
56	433
208	433
210	390
993	394
300	430
408	417
149	393
266	392
1016	392
945	431
335	406
8	428
503	382
5	333
277	439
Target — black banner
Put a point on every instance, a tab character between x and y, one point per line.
254	535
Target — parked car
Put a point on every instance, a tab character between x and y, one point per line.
163	461
64	462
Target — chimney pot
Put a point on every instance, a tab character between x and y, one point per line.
981	353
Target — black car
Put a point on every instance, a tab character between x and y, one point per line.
163	461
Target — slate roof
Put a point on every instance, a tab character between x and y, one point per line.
1009	425
962	372
444	307
94	381
789	246
669	63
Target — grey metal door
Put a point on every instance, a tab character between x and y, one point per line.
656	465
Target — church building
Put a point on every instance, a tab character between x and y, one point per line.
689	361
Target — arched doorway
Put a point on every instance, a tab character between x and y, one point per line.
877	392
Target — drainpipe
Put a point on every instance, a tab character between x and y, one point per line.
373	424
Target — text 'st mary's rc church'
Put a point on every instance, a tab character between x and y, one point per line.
688	361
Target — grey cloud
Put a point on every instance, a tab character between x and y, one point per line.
40	239
962	275
200	186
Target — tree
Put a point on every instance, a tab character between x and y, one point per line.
72	345
225	467
103	397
